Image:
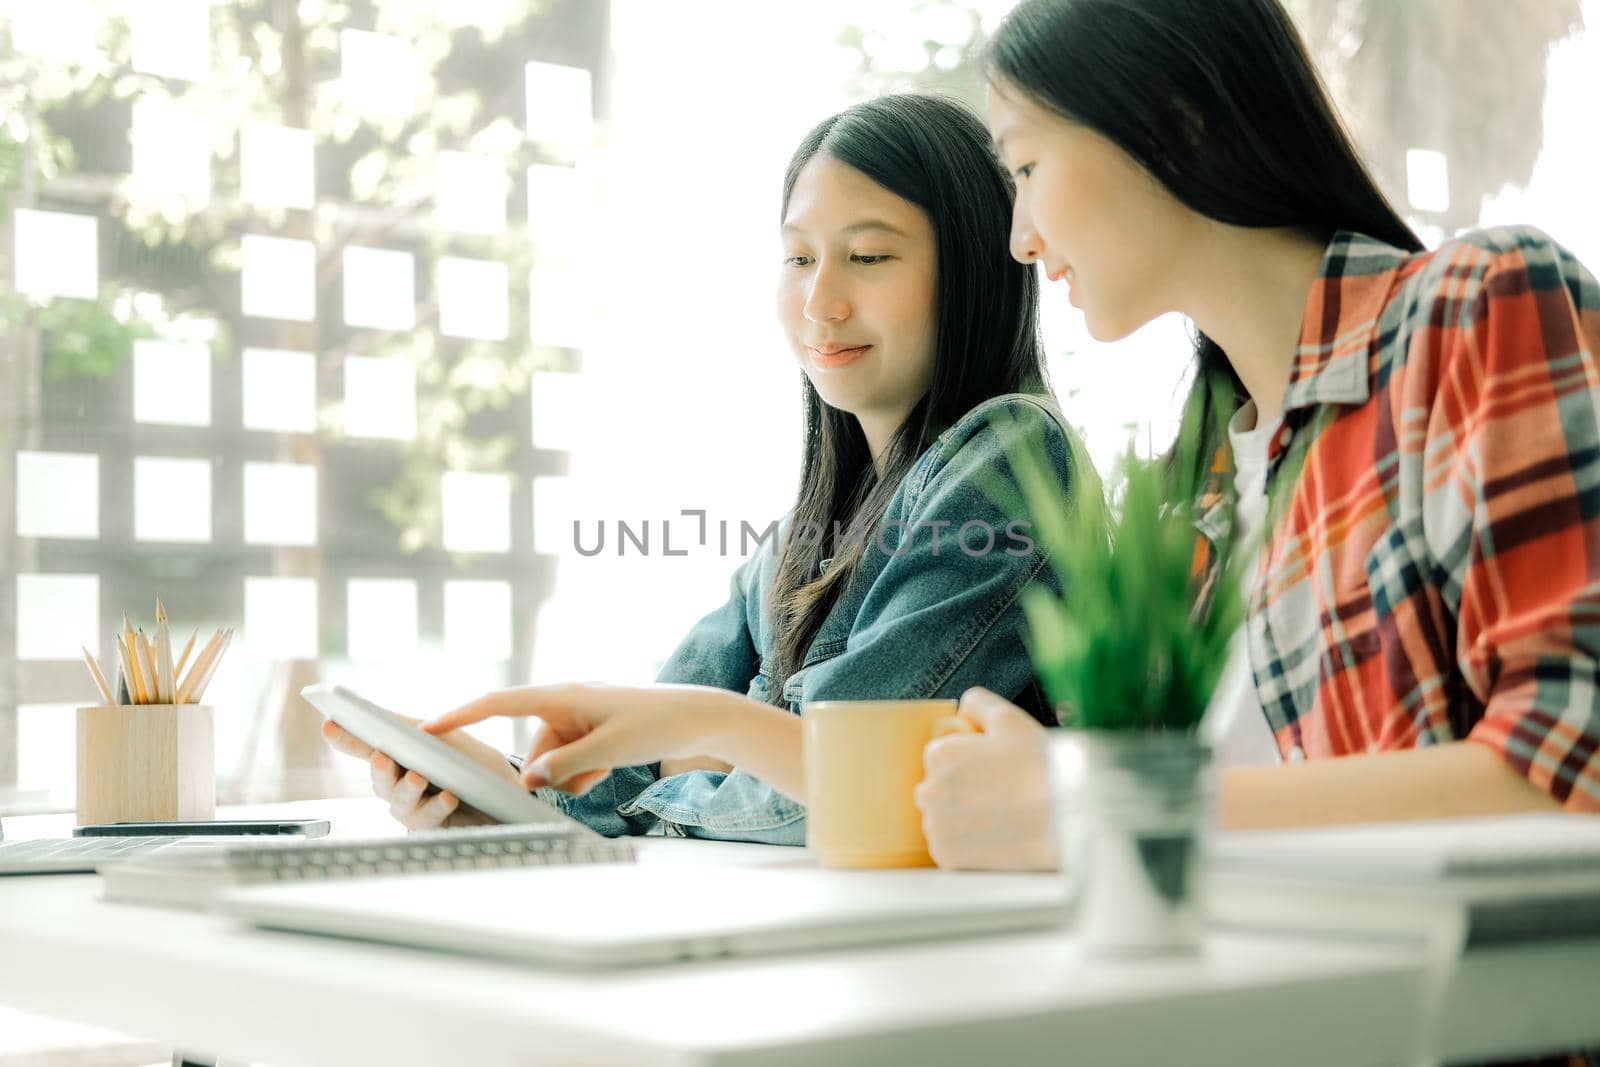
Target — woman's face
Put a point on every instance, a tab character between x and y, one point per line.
856	292
1096	219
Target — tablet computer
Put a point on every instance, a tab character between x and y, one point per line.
435	760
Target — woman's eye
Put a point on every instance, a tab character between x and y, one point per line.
1024	170
869	260
796	261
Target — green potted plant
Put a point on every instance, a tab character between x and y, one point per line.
1129	648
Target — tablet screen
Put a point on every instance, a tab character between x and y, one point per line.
435	760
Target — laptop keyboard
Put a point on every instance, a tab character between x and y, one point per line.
471	848
278	859
66	855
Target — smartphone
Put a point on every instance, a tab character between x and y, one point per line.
230	827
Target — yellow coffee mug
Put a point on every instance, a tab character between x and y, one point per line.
863	761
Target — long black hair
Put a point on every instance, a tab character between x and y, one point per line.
1219	102
935	154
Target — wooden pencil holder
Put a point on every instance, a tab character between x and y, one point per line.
146	762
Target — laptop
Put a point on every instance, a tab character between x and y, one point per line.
614	915
74	855
92	847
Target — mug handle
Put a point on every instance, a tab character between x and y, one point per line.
953	724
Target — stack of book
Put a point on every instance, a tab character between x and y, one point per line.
1498	879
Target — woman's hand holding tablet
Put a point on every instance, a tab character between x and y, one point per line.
416	803
478	783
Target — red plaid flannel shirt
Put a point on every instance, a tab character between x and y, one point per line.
1433	572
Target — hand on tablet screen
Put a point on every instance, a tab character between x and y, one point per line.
412	799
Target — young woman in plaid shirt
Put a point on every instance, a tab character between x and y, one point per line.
1424	629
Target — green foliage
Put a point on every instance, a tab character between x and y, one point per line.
1136	641
926	46
1467	80
482	379
270	63
79	338
84	339
12	160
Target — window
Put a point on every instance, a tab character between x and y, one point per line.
351	361
271	334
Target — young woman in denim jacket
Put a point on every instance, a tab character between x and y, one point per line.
896	575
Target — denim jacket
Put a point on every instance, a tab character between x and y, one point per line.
923	617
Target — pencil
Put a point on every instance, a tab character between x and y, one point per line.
147	664
186	683
164	654
202	660
99	679
140	694
202	663
177	672
127	670
133	661
216	661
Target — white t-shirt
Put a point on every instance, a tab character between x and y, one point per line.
1234	725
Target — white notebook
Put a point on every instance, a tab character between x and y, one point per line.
1496	879
1527	846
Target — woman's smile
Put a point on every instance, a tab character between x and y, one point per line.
829	357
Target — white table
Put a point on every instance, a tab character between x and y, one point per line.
200	982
